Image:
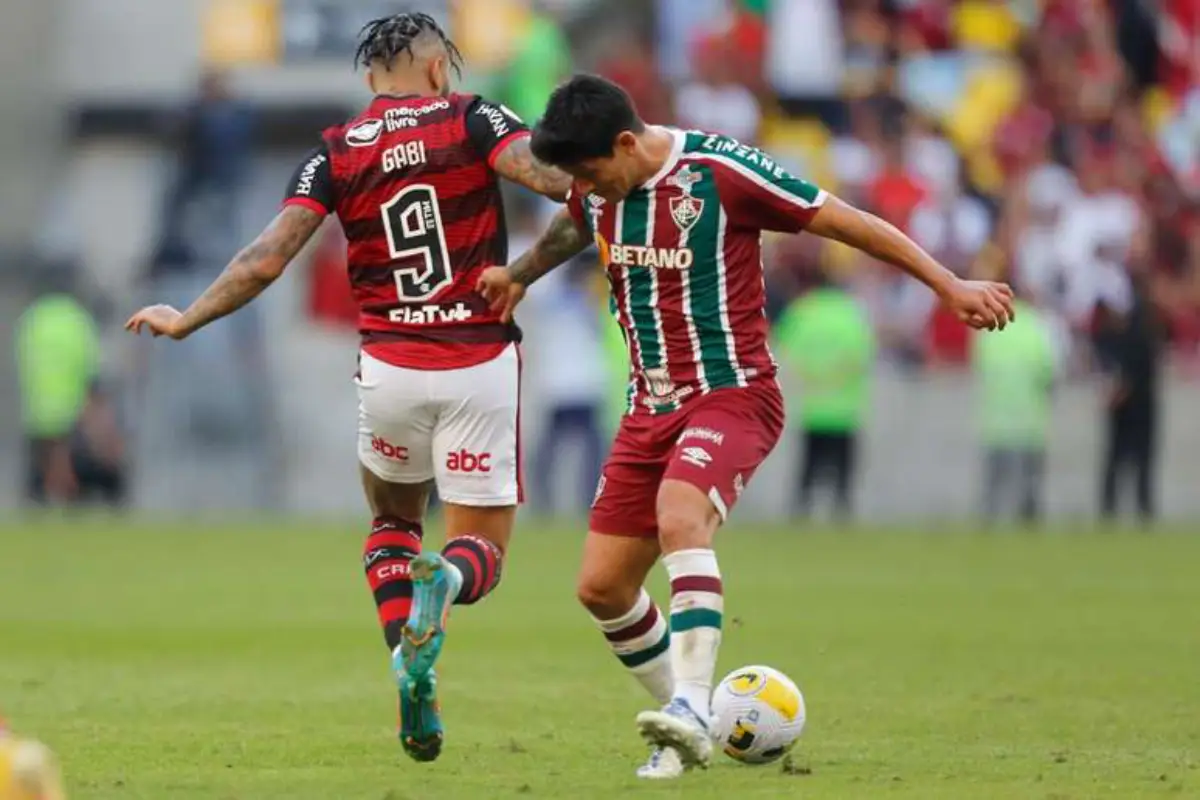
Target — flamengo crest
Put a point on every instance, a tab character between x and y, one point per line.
685	209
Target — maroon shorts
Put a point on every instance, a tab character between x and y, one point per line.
715	443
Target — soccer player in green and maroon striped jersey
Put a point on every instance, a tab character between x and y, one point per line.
678	218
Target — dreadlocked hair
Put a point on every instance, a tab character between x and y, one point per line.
384	39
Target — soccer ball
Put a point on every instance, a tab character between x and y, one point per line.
758	714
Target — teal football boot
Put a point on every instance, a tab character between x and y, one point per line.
436	584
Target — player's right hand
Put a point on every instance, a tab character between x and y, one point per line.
501	291
160	320
983	305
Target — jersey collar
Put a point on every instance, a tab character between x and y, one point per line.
672	160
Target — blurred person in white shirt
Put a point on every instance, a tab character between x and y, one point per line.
952	225
1093	241
930	155
854	154
713	100
570	378
1038	206
568	368
816	70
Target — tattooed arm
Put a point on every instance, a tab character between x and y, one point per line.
504	287
517	163
561	242
252	270
255	268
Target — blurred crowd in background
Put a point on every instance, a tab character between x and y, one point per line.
1054	144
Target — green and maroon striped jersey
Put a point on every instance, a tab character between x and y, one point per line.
683	255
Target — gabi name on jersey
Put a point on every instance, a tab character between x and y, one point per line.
404	155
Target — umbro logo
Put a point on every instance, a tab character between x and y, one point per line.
697	456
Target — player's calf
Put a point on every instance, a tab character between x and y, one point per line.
479	562
639	638
697	606
467	569
687	522
610	588
387	558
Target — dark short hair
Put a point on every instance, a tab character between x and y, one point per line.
583	119
383	40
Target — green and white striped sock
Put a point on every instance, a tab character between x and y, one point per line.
641	640
697	603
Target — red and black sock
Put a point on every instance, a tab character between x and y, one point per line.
479	561
392	545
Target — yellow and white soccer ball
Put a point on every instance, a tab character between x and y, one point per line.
758	714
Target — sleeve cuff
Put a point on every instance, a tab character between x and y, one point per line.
309	203
503	143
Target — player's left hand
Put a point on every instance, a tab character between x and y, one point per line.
984	305
501	291
160	320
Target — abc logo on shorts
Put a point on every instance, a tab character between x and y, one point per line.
469	463
389	450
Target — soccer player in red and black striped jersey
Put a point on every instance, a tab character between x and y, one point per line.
414	181
678	218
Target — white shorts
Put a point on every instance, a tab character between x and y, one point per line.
458	426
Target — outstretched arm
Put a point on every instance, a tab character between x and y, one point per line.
252	270
504	287
517	163
762	195
880	239
980	304
255	268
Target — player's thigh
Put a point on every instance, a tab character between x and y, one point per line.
725	441
612	572
475	446
395	423
625	495
408	501
494	523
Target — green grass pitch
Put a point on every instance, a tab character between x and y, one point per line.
243	662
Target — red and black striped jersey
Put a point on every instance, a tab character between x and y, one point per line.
411	180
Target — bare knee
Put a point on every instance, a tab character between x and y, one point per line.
687	519
606	599
614	569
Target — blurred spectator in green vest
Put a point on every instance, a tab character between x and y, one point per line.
541	60
73	444
828	345
571	381
1014	373
616	365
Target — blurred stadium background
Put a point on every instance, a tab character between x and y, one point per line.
1055	143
